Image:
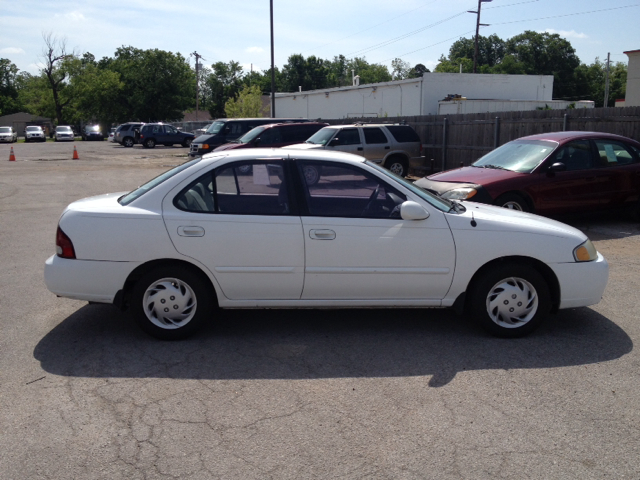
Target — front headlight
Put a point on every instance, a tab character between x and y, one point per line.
463	193
585	252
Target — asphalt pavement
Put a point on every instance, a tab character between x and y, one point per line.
292	394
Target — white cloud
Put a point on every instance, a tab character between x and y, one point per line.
11	51
567	33
254	50
73	16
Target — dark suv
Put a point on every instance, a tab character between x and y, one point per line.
225	130
152	134
127	134
274	135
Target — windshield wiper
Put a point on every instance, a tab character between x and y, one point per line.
497	167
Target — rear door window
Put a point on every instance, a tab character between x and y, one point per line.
612	153
403	133
374	135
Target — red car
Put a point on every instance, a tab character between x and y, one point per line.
548	174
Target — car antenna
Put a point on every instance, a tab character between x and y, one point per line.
473	221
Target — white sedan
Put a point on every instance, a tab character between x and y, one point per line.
247	229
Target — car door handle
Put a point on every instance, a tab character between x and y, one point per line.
191	231
359	149
322	234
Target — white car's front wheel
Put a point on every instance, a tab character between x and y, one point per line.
171	302
510	300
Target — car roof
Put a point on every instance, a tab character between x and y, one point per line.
278	153
563	137
292	124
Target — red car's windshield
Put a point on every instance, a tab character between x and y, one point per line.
518	156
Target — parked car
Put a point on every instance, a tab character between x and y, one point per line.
112	134
392	146
34	133
127	134
92	132
152	134
202	236
63	133
274	135
549	174
225	130
8	135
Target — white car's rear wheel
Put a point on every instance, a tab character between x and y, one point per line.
171	303
510	300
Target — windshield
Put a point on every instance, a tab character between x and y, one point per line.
63	129
438	202
33	129
94	128
138	192
521	156
322	136
215	127
251	135
5	130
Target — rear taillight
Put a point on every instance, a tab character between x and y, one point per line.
64	246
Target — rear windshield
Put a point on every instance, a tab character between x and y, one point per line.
403	133
138	192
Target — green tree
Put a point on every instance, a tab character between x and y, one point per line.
491	50
418	71
310	73
247	104
223	83
156	84
369	72
400	69
56	69
9	94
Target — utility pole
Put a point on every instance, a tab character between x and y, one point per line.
273	72
606	83
198	57
478	25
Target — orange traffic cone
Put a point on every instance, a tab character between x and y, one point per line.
12	157
75	154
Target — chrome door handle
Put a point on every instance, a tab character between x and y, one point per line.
191	231
322	234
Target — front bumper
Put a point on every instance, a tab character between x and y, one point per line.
6	140
581	283
90	280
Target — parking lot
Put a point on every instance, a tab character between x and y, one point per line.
291	394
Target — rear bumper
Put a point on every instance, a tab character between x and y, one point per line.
89	280
581	284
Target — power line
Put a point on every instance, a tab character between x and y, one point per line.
372	27
567	14
428	46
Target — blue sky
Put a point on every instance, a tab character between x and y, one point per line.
418	31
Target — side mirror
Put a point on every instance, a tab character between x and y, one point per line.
256	142
556	167
334	141
410	210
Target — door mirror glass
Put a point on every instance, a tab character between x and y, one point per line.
557	167
410	210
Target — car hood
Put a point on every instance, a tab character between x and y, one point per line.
474	175
305	146
498	219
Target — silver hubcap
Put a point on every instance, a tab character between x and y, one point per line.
513	206
397	168
512	302
169	303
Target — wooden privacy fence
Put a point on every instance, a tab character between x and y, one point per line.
450	141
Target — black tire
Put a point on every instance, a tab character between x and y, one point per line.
397	165
149	143
510	300
127	142
513	201
187	142
190	291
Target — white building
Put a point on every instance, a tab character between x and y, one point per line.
419	96
632	95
